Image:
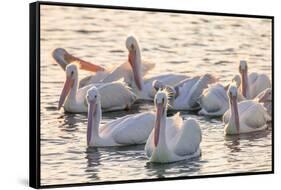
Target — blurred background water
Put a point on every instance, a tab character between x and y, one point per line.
183	43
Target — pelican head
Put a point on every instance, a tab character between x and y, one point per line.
160	101
243	69
236	80
158	85
71	76
209	78
243	66
232	94
61	55
134	59
58	52
93	98
63	58
93	95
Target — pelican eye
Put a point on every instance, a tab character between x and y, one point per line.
72	72
95	96
132	46
162	100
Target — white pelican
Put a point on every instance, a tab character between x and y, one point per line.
254	83
141	86
185	95
265	98
127	130
115	95
169	79
131	71
172	139
214	100
244	117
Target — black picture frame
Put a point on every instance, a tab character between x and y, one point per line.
34	91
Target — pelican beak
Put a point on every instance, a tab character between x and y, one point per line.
244	82
84	65
91	112
236	115
67	86
136	69
159	114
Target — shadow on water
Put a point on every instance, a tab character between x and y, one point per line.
187	167
233	142
93	157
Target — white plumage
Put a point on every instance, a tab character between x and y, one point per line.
244	117
214	100
265	98
127	130
185	94
254	83
170	79
115	95
172	139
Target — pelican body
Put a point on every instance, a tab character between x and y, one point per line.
115	95
214	101
127	130
244	117
172	139
265	98
185	95
254	83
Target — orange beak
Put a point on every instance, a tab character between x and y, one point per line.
84	65
236	115
136	72
244	83
67	86
91	112
159	113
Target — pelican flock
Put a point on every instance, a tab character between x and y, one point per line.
244	103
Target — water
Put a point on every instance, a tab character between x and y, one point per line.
190	44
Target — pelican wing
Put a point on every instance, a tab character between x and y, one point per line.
146	67
258	83
214	100
91	79
255	116
184	88
134	129
187	140
242	107
116	95
109	127
122	71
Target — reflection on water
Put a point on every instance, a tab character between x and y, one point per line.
189	44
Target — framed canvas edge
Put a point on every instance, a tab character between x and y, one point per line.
34	93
